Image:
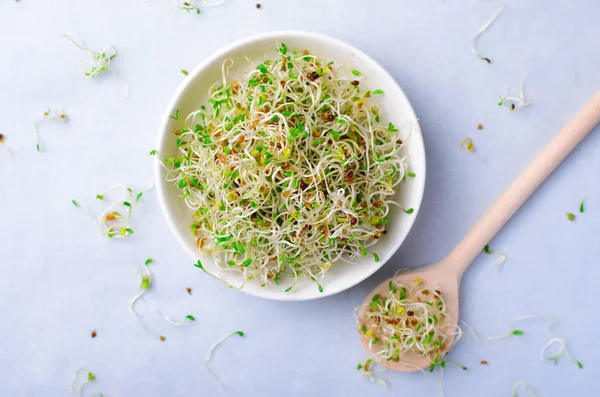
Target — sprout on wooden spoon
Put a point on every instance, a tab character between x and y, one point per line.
445	276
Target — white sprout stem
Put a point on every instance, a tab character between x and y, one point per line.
514	102
74	386
163	315
210	352
485	338
48	115
525	386
146	274
481	31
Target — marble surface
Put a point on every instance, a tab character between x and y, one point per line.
59	279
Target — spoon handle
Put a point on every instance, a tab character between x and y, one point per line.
526	183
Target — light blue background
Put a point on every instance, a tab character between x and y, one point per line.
59	279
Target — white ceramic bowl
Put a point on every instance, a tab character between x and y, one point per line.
395	108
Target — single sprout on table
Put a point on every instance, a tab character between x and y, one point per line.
408	319
480	32
209	355
581	209
100	61
467	144
77	386
557	339
48	115
115	220
146	283
570	216
288	169
524	385
502	256
516	100
514	332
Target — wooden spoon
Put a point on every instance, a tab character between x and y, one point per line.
447	273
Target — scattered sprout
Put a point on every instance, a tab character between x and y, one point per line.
212	349
153	152
185	72
114	220
570	216
557	339
515	332
100	61
146	282
467	144
502	256
480	32
78	385
48	115
581	206
479	127
525	386
514	101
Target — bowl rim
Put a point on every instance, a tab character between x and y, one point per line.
292	34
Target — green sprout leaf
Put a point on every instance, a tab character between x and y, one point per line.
153	152
517	332
356	72
247	262
190	317
145	283
283	49
378	92
185	72
409	211
487	249
411	174
199	264
127	204
100	197
581	206
148	261
391	127
91	377
240	333
363	250
579	364
375	256
570	216
75	203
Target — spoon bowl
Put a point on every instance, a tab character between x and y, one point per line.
440	276
446	274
